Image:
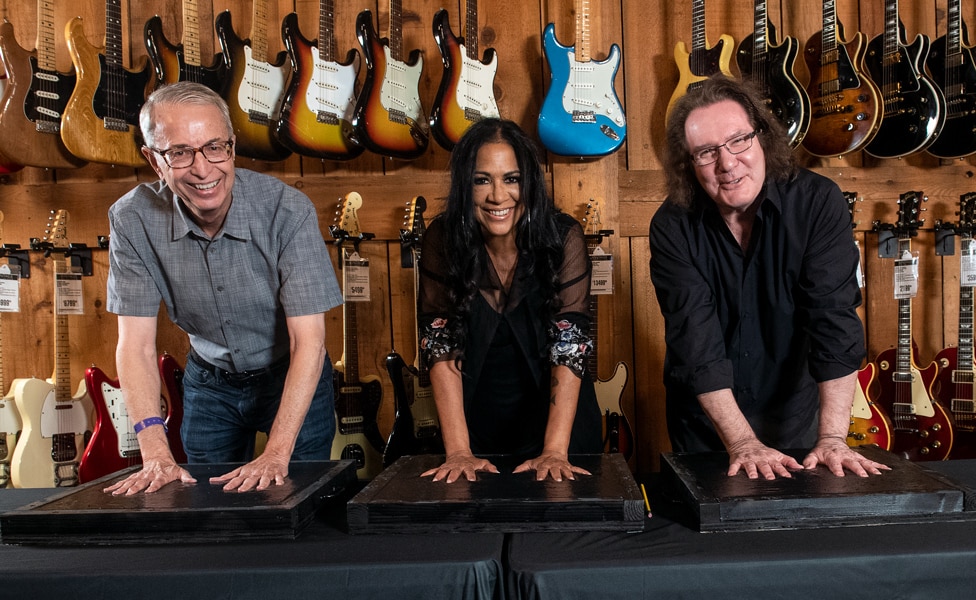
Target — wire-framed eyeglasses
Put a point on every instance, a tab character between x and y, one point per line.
183	156
736	145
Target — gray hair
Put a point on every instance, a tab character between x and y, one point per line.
181	93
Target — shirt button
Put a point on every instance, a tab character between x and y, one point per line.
220	288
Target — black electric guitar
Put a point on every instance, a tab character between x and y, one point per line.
951	66
357	399
914	109
184	62
416	428
921	427
770	66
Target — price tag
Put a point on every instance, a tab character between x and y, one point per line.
967	266
860	272
68	297
9	289
601	274
906	276
355	278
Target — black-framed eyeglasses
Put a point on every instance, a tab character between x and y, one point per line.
182	157
736	145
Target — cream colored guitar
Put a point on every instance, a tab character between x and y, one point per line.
10	423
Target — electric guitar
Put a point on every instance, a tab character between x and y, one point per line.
702	61
845	102
34	98
466	93
770	66
954	385
617	433
914	109
951	66
317	111
416	428
184	62
10	424
255	86
55	423
171	374
113	445
581	114
101	120
389	118
921	428
357	399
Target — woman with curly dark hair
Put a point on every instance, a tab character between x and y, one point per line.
505	314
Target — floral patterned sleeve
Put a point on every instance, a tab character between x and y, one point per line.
440	337
569	334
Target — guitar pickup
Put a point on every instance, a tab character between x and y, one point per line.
902	408
963	406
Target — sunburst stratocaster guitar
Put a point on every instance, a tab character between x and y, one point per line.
466	93
34	97
953	70
357	399
255	86
581	114
55	423
920	425
389	118
101	120
770	66
845	104
317	111
10	423
914	109
416	428
184	62
702	61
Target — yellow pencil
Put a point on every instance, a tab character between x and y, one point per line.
647	503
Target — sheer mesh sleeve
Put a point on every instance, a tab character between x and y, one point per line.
439	331
569	334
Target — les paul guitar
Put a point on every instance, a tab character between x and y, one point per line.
953	70
389	118
416	428
101	119
317	111
172	63
357	399
581	114
255	85
921	427
466	93
702	61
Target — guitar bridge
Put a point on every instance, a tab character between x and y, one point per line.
66	474
584	116
113	124
44	126
258	117
472	114
327	118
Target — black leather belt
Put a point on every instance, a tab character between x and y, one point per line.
241	378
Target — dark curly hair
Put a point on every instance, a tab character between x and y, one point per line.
682	183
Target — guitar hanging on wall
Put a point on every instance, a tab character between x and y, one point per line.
184	62
357	399
581	114
701	62
953	70
10	423
466	93
317	111
416	428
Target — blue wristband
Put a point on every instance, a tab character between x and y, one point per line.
149	423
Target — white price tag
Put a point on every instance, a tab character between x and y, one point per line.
906	276
68	298
9	290
601	274
860	272
355	278
967	265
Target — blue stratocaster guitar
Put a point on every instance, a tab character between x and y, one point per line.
581	114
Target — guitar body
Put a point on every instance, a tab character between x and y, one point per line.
317	111
466	93
10	428
869	426
169	61
913	116
617	432
921	428
253	91
959	398
357	434
845	104
171	374
416	429
697	66
784	95
84	128
28	135
113	445
53	437
569	127
389	117
956	77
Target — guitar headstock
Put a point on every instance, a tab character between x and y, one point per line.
909	207
852	200
412	231
347	219
593	220
967	212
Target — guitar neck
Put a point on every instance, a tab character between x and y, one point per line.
62	350
953	38
697	25
260	12
829	34
46	48
350	343
582	31
964	353
471	29
192	54
759	46
903	362
327	41
396	30
890	35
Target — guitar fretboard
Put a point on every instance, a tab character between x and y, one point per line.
192	55
471	29
327	41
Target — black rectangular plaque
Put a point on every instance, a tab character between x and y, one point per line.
398	500
814	498
178	512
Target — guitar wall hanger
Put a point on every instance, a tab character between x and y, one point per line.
80	254
16	257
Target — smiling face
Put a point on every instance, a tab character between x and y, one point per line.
204	187
496	187
734	180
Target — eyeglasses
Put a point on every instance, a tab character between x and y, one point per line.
180	158
736	145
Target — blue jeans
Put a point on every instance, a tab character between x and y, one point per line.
221	418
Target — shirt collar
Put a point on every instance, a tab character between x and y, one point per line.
236	225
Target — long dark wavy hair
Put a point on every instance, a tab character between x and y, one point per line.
682	182
537	235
